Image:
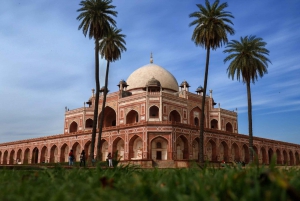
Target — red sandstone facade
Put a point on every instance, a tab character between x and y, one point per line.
150	119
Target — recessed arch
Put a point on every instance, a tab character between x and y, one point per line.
132	117
291	155
195	116
5	157
278	156
297	158
255	153
87	148
214	124
11	157
109	117
245	153
89	123
229	127
235	153
35	155
19	156
270	153
211	151
223	151
104	148
64	153
44	155
73	127
195	147
159	152
174	116
26	156
285	157
119	146
136	148
182	151
54	154
153	112
263	154
76	151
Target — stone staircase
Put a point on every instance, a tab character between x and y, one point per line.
163	164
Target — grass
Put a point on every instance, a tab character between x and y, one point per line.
131	183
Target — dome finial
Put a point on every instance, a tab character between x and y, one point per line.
151	58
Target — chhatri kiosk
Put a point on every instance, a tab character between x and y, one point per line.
151	119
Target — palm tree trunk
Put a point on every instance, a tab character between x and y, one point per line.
102	113
201	141
96	100
250	122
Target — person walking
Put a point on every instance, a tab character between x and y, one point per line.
82	158
109	157
71	157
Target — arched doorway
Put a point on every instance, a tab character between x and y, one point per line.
195	146
174	116
195	115
264	155
255	153
245	154
159	147
44	155
119	146
291	158
109	117
182	151
11	157
5	157
26	156
64	153
229	127
87	148
223	151
89	124
278	155
214	124
211	151
76	151
285	158
235	153
153	112
104	145
132	117
19	156
297	158
73	127
270	153
35	155
135	148
54	154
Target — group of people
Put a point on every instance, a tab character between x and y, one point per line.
82	158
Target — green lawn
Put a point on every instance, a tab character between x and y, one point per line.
129	183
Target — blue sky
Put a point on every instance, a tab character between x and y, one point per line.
46	63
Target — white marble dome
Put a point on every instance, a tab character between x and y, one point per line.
140	77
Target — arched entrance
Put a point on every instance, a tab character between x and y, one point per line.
64	153
223	152
35	155
119	146
285	158
11	157
270	153
235	152
89	124
174	116
44	155
211	151
87	148
195	146
264	155
132	117
245	154
297	158
159	147
19	156
291	158
26	156
154	112
278	156
109	117
135	148
5	157
76	151
214	124
182	151
104	149
73	127
229	127
195	115
54	154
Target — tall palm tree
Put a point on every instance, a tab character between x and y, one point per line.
96	21
212	25
111	47
248	62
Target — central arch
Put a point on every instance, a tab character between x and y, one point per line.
159	146
109	117
73	127
132	117
174	116
35	155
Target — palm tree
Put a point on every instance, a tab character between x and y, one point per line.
248	62
110	48
96	21
212	25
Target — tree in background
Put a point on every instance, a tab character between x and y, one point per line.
96	21
110	48
212	25
248	61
